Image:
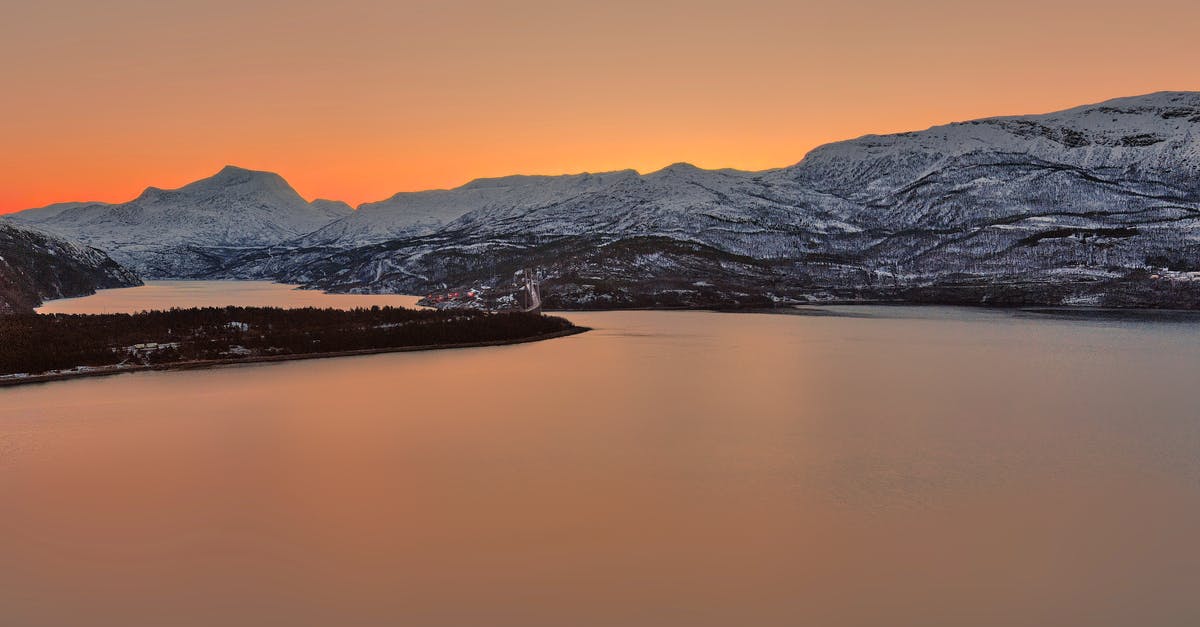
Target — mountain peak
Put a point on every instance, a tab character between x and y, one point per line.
682	166
232	179
233	169
150	192
235	173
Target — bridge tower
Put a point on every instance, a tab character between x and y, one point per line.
533	291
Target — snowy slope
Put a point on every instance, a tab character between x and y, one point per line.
1095	191
332	209
1146	144
1038	204
1147	138
988	185
418	213
679	201
172	232
49	212
36	266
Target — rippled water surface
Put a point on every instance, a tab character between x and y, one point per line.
900	466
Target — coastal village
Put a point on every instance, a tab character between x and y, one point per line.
523	295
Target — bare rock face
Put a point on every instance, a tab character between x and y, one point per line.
36	266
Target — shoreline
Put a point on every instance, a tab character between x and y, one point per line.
1062	312
102	371
715	307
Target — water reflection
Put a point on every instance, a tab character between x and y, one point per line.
923	466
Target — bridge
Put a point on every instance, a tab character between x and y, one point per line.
533	292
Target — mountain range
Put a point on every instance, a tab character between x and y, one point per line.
1096	205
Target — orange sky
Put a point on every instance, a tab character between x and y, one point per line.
357	100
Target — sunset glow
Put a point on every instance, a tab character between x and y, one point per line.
358	100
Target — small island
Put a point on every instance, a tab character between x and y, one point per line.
47	347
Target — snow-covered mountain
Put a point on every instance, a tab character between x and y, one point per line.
49	212
1094	205
190	230
1155	135
1104	185
36	266
1080	206
420	213
334	209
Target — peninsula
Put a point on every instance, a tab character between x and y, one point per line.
58	346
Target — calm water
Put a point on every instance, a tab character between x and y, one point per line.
911	466
168	294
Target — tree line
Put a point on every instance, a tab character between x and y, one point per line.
37	343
